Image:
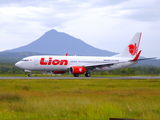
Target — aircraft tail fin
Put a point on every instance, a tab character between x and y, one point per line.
131	50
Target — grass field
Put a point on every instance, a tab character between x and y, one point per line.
66	75
56	75
79	99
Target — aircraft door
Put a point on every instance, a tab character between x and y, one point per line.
35	61
123	65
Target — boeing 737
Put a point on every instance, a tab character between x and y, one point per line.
83	64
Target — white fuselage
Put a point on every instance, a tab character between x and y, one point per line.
63	63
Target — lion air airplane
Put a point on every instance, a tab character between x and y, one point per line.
83	64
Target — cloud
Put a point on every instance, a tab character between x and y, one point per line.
142	10
9	1
103	3
145	15
97	22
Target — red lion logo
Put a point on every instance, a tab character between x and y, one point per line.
133	49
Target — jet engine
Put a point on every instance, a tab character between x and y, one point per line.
77	70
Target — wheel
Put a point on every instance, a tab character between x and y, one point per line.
29	75
76	75
87	74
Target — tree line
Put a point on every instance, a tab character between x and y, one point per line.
9	68
133	71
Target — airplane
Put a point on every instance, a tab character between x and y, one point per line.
83	64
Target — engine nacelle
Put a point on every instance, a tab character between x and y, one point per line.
58	72
77	70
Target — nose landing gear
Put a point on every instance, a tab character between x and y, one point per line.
29	75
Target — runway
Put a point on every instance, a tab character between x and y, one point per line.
74	78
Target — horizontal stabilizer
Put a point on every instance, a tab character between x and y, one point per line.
137	56
146	58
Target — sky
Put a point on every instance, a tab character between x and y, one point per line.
104	24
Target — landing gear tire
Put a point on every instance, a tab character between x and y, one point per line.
76	75
87	74
29	75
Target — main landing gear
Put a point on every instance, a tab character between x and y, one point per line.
86	75
76	75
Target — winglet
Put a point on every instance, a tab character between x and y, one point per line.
137	56
66	54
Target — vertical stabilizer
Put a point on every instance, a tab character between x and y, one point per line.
132	48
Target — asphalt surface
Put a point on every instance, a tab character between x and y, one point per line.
65	78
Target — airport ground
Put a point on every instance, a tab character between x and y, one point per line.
79	99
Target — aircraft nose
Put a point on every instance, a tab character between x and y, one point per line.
18	64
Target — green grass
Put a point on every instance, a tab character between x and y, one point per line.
79	99
49	75
63	75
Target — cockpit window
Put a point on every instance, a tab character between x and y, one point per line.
25	60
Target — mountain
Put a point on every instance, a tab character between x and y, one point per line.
53	42
15	56
148	63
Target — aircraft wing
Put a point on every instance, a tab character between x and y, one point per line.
112	63
102	65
